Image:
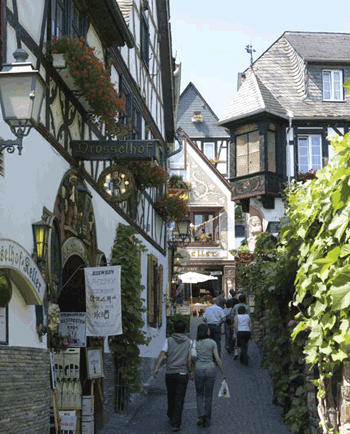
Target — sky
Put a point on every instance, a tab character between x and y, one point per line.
209	37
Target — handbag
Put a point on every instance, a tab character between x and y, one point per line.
193	350
224	392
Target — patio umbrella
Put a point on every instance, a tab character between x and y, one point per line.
193	277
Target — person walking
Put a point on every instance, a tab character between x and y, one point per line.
176	349
228	328
180	294
221	299
242	301
204	371
214	316
243	327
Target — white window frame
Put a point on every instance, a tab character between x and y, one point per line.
211	146
309	151
331	74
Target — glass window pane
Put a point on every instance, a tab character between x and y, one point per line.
326	85
242	165
209	151
271	151
315	152
242	145
303	154
254	162
337	85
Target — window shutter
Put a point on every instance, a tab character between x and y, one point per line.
160	296
150	298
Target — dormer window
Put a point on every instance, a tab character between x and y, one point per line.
332	85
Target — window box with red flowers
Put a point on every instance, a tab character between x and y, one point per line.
178	187
147	173
84	73
171	208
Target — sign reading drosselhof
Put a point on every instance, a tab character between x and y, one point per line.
14	256
115	149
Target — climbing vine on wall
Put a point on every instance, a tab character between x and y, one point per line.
319	220
125	347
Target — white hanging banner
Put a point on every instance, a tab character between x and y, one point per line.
103	301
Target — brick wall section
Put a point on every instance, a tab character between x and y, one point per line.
24	390
109	384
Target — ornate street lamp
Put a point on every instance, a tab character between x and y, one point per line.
41	235
177	259
22	92
182	228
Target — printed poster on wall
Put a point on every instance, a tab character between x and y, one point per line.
74	323
103	301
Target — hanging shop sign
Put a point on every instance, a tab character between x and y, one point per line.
244	258
116	183
103	301
23	271
74	323
115	149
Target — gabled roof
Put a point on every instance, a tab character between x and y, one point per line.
279	81
253	98
211	166
328	47
191	100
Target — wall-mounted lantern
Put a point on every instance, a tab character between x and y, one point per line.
22	92
41	236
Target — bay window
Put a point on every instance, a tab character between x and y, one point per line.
248	153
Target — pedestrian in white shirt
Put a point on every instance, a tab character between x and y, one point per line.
214	316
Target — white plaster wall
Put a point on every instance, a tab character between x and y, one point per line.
22	323
157	335
270	215
107	221
30	13
31	181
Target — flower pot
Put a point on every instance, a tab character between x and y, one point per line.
61	66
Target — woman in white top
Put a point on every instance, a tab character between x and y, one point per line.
204	373
243	327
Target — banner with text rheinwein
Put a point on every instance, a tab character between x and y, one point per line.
103	301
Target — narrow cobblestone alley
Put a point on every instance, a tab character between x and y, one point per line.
247	411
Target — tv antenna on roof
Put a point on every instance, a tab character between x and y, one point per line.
250	50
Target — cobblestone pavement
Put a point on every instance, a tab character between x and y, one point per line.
247	411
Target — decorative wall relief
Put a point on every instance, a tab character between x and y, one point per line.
203	190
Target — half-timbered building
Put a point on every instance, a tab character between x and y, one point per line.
289	102
203	162
48	182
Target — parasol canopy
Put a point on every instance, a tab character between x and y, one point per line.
193	277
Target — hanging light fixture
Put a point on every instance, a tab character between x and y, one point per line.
22	92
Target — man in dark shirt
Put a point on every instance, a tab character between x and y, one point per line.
221	299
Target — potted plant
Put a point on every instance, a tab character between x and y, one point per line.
59	343
311	174
205	238
147	173
92	80
176	181
171	208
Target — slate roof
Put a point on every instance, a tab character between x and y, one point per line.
286	80
191	101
